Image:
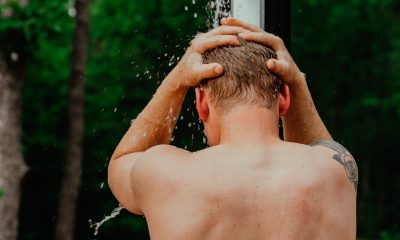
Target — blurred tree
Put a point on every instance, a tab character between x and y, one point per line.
12	165
31	31
71	181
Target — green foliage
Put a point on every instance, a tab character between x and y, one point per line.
350	51
29	23
1	193
390	236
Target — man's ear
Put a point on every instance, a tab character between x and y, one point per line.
202	104
284	100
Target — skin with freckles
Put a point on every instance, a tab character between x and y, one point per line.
249	184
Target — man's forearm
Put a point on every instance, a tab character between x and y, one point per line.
302	123
155	124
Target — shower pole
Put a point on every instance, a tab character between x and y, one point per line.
277	19
271	15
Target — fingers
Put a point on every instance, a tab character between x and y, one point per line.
236	22
256	34
265	38
279	67
204	71
226	30
202	44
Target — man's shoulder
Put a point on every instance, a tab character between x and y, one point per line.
337	153
324	161
162	157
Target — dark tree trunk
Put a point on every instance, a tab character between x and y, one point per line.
71	179
12	165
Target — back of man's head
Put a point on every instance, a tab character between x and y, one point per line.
246	79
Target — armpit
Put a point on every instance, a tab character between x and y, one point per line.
343	157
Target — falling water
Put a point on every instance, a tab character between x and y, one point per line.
217	10
97	225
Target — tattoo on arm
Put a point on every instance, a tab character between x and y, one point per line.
343	157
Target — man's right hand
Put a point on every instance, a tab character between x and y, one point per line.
284	66
190	69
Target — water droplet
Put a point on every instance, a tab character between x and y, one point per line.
71	11
186	8
14	56
102	185
115	109
195	15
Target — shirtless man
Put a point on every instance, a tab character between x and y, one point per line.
249	184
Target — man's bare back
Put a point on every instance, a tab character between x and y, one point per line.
249	184
282	191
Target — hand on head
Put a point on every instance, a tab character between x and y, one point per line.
191	69
284	66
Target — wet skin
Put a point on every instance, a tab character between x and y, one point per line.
267	191
249	184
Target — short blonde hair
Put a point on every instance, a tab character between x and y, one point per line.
246	79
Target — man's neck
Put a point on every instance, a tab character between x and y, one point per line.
246	125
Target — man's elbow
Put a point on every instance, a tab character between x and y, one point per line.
123	151
111	174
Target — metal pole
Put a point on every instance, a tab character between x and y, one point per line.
271	15
277	19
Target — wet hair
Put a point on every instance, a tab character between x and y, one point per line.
246	79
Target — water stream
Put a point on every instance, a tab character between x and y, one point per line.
97	225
